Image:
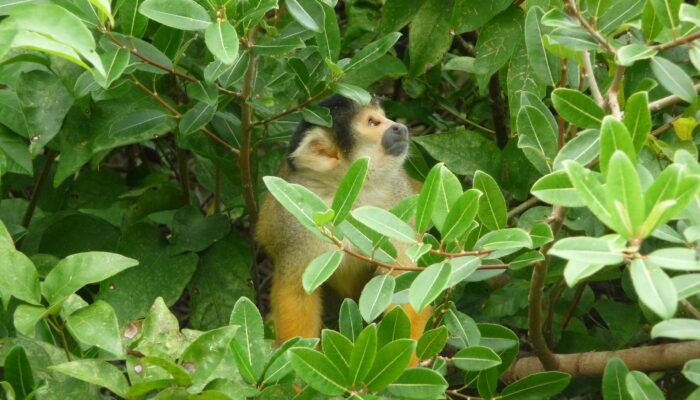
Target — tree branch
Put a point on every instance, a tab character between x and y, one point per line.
592	364
592	84
498	111
612	103
596	35
38	187
245	157
294	109
674	43
668	101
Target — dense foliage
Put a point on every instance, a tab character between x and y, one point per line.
560	210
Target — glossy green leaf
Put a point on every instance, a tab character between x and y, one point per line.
583	149
428	285
667	12
115	62
589	189
18	275
337	348
17	371
577	108
673	78
613	137
393	326
448	192
628	55
77	270
222	40
614	386
587	250
462	268
461	215
180	375
363	354
179	14
385	223
537	138
196	118
308	13
675	258
372	51
97	325
431	343
476	358
654	288
349	189
462	326
686	285
98	372
492	204
625	201
428	197
637	119
320	269
556	188
249	337
677	328
350	319
429	35
541	385
298	200
546	66
577	270
390	362
328	39
691	370
493	47
318	371
376	296
208	352
641	387
418	383
353	92
618	14
508	238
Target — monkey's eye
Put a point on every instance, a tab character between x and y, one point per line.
372	122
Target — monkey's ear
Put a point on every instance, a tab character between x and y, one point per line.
317	151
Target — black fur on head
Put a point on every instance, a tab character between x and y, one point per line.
342	111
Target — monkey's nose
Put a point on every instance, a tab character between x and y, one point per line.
395	139
399	129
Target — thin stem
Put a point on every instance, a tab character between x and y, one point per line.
539	274
613	92
38	187
522	207
293	109
498	111
572	307
62	336
553	298
183	173
592	84
691	308
217	191
668	101
460	254
245	157
462	396
674	43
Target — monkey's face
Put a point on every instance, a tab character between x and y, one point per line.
378	133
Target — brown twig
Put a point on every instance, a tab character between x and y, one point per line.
668	101
691	308
674	43
613	103
592	84
554	296
245	161
522	207
294	109
460	254
572	307
539	274
571	4
462	396
498	111
38	187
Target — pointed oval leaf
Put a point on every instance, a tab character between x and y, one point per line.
353	92
675	258
614	386
98	372
476	358
677	328
577	108
556	188
418	383
537	138
427	198
376	296
640	386
385	223
250	334
350	319
431	343
428	285
338	348
589	189
462	326
318	371
461	215
298	200
320	269
308	13
627	55
686	285
222	40
583	149
546	66
349	189
392	359
363	353
462	267
625	201
179	14
586	250
613	137
196	118
492	205
393	326
541	385
577	270
654	288
97	325
18	275
673	78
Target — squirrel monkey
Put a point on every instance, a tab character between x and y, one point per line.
318	159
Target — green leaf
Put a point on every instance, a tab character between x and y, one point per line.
613	137
429	34
667	12
350	319
577	108
583	149
207	352
328	39
317	115
525	259
385	223
298	200
180	375
462	268
620	12
476	358
308	13
654	288
573	39
675	258
363	354
372	51
320	269
449	147
541	385
18	275
393	326
115	62
492	205
337	348
428	197
495	44
77	270
627	55
390	362
194	232
641	386
249	337
376	296
179	14
349	189
625	201
686	285
461	215
448	192
462	326
691	370
689	13
587	250
428	285
26	317
352	92
677	328
508	238
222	40
673	78
196	118
637	119
318	371
589	189
58	29
98	372
18	372
556	188
139	126
537	138
577	270
97	325
546	66
418	383
431	343
397	13
614	387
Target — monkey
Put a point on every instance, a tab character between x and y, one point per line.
318	158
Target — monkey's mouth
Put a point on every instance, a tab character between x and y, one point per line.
395	140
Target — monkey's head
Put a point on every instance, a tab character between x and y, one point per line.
357	132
